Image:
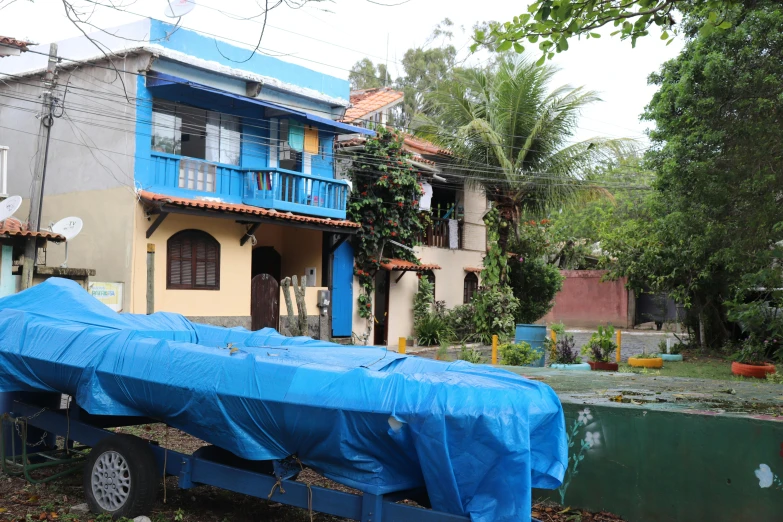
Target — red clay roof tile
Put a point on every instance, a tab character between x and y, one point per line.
151	197
12	227
370	100
13	42
407	266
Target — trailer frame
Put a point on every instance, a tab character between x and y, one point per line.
74	424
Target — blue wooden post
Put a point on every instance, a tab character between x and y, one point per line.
372	508
7	282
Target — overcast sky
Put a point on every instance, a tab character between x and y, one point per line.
351	29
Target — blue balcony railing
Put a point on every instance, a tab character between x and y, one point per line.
278	189
296	192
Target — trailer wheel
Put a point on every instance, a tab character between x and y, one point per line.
121	477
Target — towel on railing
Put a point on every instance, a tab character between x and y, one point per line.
453	234
264	180
296	135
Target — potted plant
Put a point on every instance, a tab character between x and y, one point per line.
669	353
646	360
600	348
750	361
563	354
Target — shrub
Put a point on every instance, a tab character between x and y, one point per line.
423	301
462	321
495	309
601	344
751	352
565	351
433	330
518	354
470	355
535	283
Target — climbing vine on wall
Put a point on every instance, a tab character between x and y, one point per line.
385	201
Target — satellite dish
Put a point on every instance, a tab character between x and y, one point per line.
8	206
177	8
69	228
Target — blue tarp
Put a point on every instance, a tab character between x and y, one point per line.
478	437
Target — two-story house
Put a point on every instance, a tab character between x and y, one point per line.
453	245
194	168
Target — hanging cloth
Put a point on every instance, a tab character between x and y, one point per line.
311	140
296	136
453	234
426	198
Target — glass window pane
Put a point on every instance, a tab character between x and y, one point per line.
230	139
166	130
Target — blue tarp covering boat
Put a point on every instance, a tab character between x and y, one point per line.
477	437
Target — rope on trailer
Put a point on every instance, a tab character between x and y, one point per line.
165	458
68	425
309	490
277	485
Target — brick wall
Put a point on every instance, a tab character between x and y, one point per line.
586	301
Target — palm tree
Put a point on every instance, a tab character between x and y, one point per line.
510	134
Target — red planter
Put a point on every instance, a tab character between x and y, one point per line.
603	366
758	371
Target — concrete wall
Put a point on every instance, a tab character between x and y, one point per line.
474	232
233	298
653	466
585	301
92	145
448	286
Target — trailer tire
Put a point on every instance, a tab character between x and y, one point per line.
121	477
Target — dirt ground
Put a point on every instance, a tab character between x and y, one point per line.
23	502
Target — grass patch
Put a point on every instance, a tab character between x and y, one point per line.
695	367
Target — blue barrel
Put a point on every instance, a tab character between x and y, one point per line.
44	399
534	335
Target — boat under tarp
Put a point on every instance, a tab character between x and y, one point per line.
479	438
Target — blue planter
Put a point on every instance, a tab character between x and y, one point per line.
534	335
671	357
578	366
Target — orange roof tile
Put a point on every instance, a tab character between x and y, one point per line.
370	100
151	197
425	146
13	42
474	269
407	266
12	227
361	140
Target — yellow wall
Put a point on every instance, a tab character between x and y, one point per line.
299	248
233	298
311	301
449	286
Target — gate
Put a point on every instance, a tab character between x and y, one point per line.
264	302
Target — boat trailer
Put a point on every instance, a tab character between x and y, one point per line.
117	467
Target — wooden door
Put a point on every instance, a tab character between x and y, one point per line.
264	302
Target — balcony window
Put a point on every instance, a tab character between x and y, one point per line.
199	134
293	140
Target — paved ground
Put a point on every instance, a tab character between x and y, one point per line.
633	342
667	393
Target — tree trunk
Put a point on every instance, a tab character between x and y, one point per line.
293	328
299	293
702	336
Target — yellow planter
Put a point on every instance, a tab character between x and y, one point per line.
655	362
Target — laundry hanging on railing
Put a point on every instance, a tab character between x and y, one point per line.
453	234
426	198
264	181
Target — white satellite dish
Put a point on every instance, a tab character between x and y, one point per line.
8	206
69	228
177	8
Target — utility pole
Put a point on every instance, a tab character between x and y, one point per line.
42	154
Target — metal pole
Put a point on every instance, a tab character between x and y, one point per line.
42	156
619	344
494	349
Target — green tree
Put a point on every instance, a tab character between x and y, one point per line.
366	75
552	23
716	211
506	125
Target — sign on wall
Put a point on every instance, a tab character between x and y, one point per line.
109	294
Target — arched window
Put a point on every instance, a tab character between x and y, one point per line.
469	287
430	275
193	261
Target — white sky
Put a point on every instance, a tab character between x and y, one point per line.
352	29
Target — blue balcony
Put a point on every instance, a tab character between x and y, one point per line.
273	188
287	190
